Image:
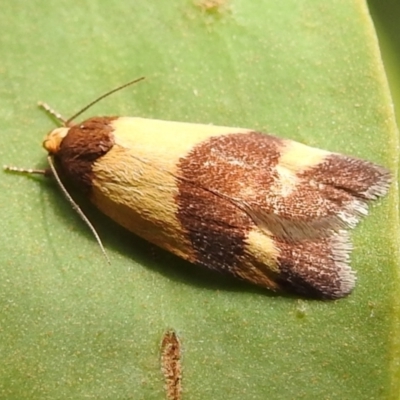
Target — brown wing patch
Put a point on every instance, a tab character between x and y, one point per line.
330	195
317	268
358	178
214	174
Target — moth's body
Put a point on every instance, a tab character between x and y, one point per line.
267	210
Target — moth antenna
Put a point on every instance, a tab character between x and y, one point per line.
30	171
54	113
68	122
76	207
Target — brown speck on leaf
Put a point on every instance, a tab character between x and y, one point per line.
212	6
171	364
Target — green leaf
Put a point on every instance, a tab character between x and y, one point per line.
74	327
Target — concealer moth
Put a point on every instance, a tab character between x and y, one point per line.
267	210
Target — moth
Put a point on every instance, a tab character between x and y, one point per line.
267	210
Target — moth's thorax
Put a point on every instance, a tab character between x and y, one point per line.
77	148
53	140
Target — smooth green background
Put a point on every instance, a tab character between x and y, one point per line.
72	326
386	16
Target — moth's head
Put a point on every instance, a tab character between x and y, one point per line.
53	140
